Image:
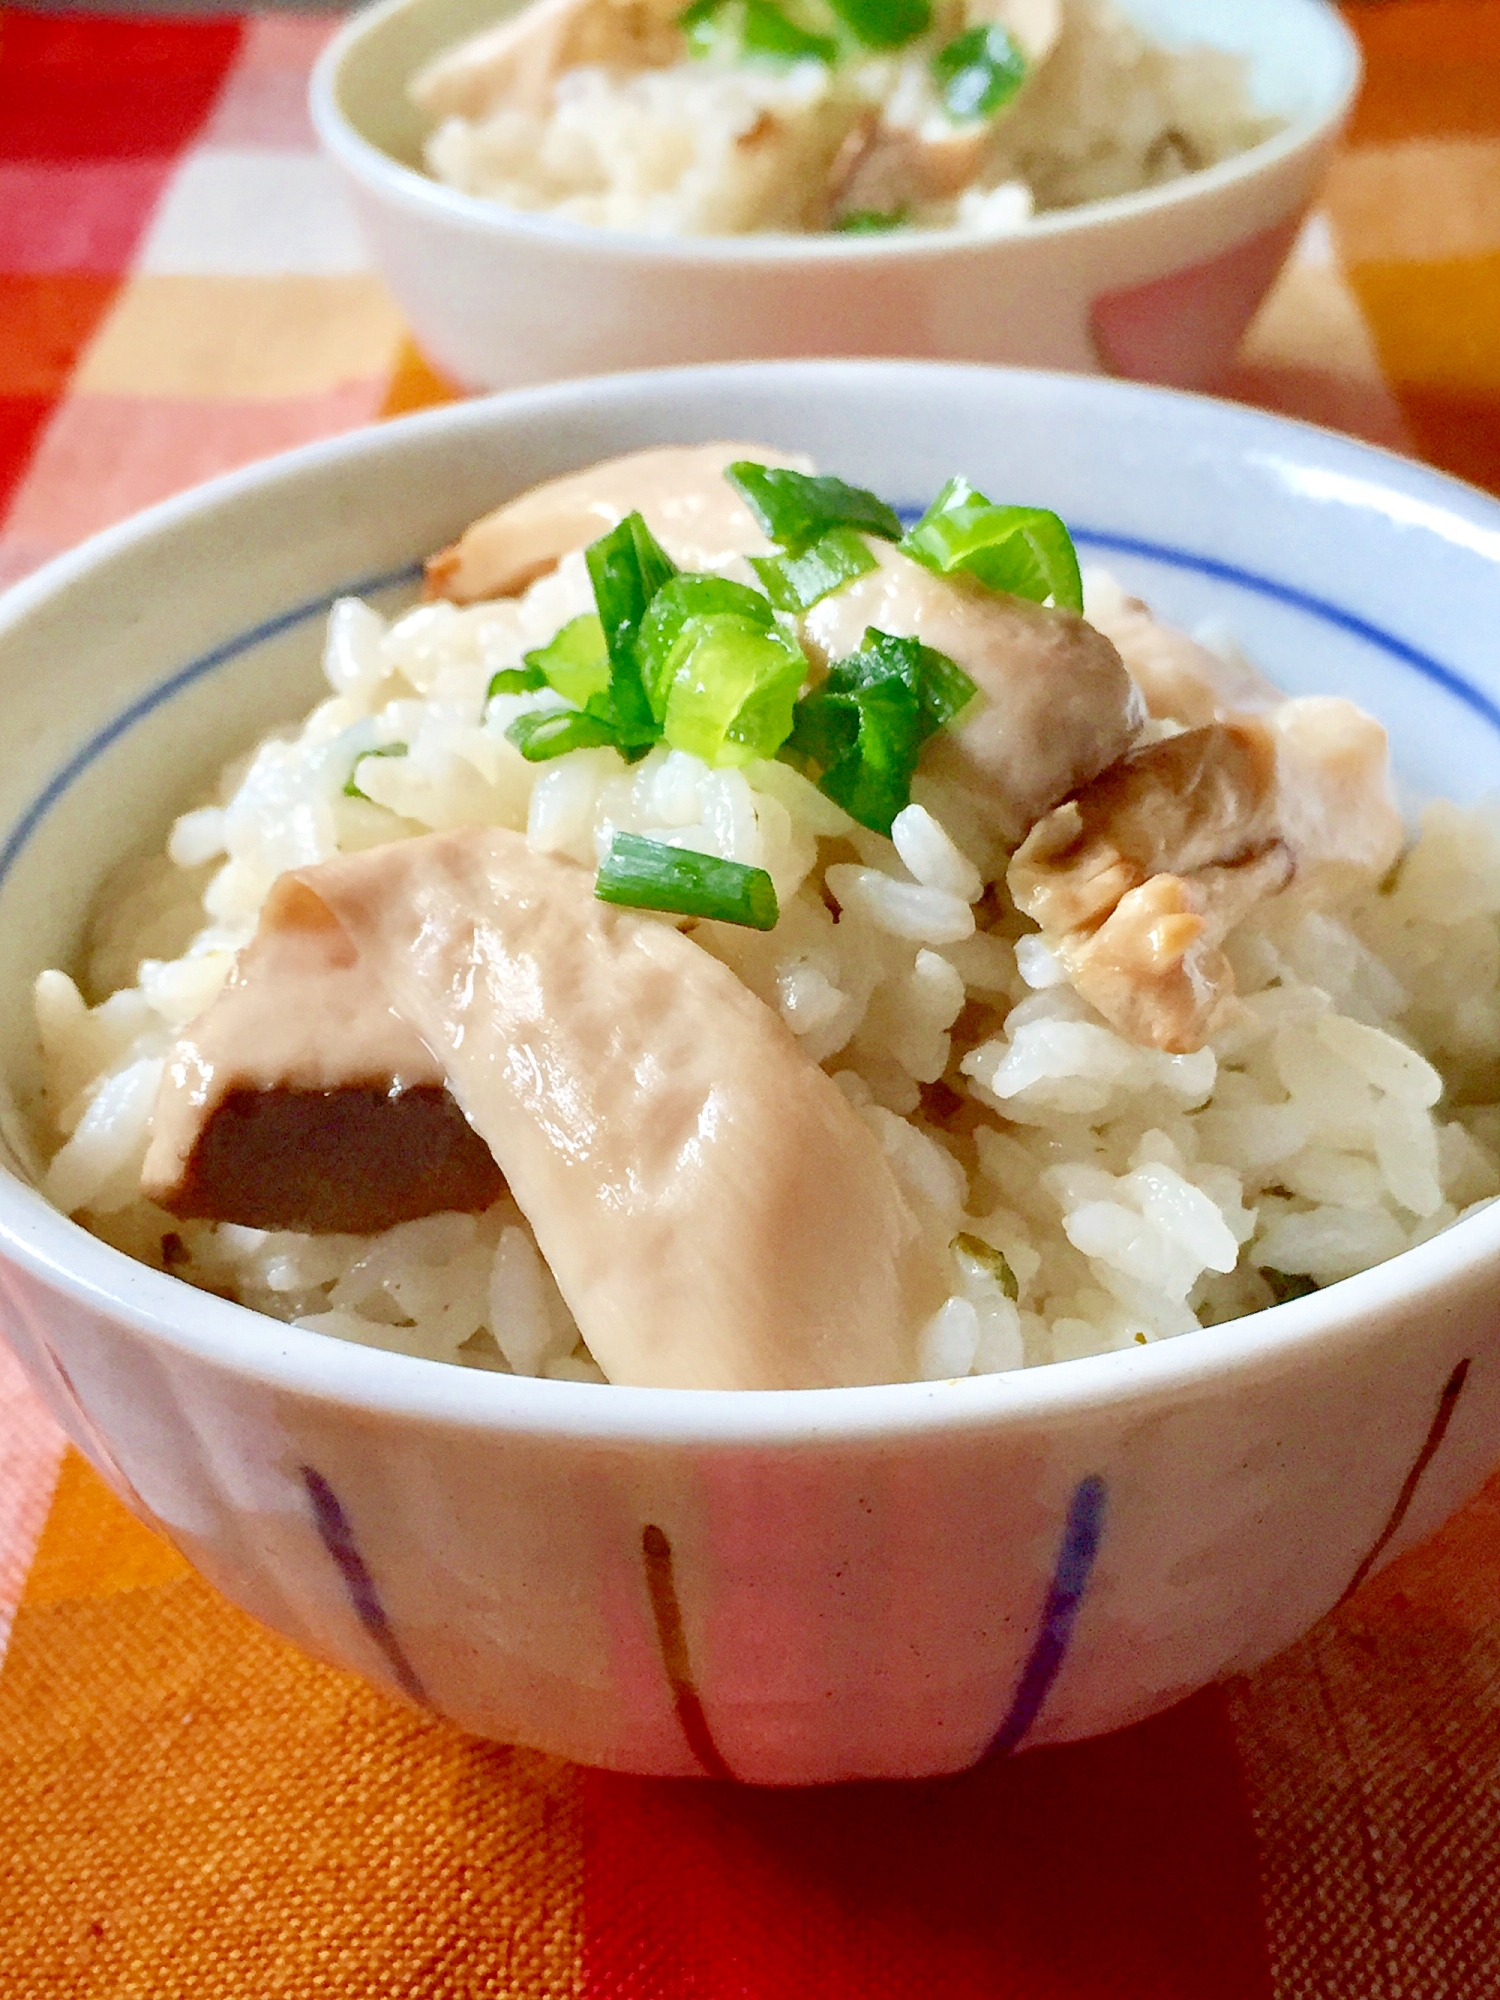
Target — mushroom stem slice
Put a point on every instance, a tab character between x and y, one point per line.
714	1211
681	490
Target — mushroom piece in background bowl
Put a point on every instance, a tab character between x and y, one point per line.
1157	284
787	1586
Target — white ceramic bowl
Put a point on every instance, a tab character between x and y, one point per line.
1157	285
793	1586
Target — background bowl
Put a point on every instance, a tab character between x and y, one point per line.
1159	285
795	1586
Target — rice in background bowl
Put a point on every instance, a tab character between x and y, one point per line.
725	144
1158	284
861	1575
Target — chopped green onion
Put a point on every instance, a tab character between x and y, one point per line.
351	789
575	660
798	582
944	690
646	874
1024	550
796	508
884	24
627	567
544	733
991	1260
769	35
700	24
860	732
978	73
872	782
759	30
734	686
825	730
681	601
870	221
516	680
940	685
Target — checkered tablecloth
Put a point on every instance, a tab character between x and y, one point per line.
187	1806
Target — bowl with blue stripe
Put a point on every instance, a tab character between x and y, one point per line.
778	1587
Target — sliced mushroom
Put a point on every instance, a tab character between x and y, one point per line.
680	489
889	165
300	1101
1338	812
715	1213
1056	704
1138	880
1181	680
513	65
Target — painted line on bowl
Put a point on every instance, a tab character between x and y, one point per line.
154	697
88	1438
1083	1531
337	1537
1437	1430
656	1552
1299	600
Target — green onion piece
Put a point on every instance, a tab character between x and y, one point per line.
649	875
552	732
796	509
859	733
769	35
1023	550
944	690
733	689
516	680
884	24
870	221
873	782
978	73
700	24
798	582
575	661
991	1260
627	567
679	603
351	789
863	725
940	685
759	30
825	730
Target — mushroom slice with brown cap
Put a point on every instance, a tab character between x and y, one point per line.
688	504
1056	704
714	1211
1137	881
513	65
299	1101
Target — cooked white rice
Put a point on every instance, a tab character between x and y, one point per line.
1348	1111
716	147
